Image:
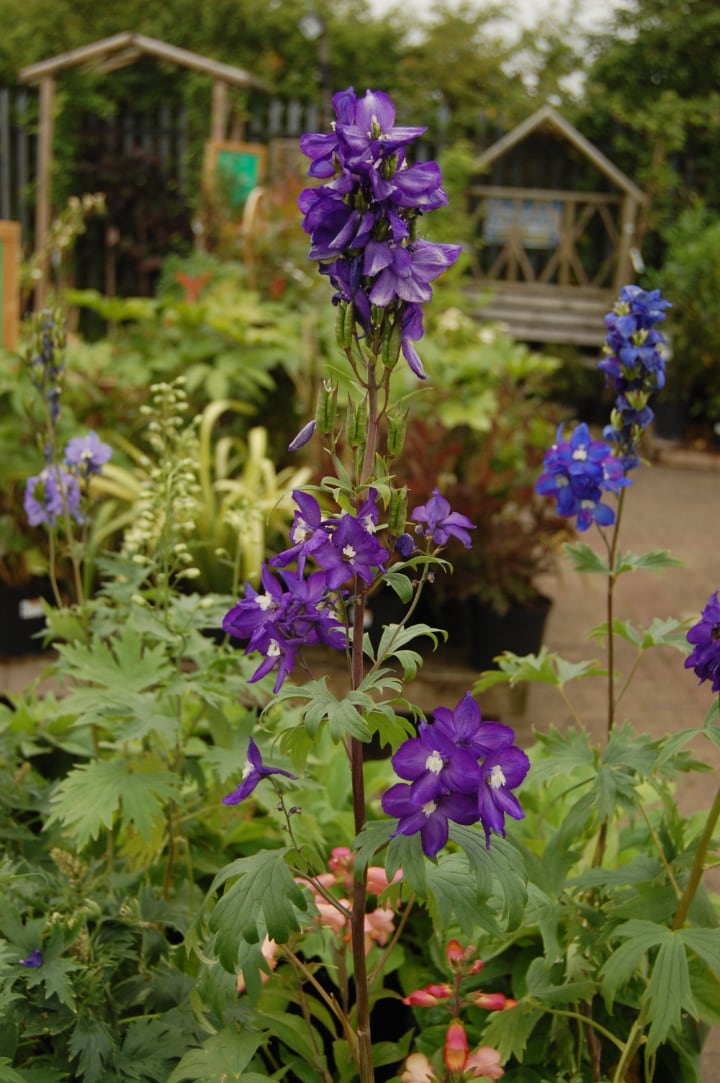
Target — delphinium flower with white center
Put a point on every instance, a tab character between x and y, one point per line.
86	455
577	473
460	770
437	521
253	773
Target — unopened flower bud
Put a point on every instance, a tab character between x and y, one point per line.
326	408
396	433
492	1002
456	1047
303	437
397	511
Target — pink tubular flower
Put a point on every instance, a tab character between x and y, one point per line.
428	997
377	880
418	1069
485	1062
269	949
379	926
492	1002
456	1047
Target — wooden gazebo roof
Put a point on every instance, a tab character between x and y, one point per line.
550	278
102	57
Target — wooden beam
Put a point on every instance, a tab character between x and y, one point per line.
219	115
43	194
102	50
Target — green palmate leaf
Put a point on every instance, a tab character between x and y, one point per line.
561	754
295	1033
661	633
509	1031
706	944
91	1044
540	985
585	559
669	991
453	894
222	1058
91	797
344	716
653	561
543	668
640	937
498	869
264	898
373	837
405	852
124	666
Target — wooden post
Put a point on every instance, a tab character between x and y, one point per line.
218	120
9	284
42	199
628	214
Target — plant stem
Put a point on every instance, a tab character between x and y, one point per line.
357	920
698	865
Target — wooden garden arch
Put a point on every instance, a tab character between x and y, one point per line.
104	56
542	286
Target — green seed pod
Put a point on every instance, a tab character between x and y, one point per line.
340	324
326	408
349	326
392	342
357	423
396	433
397	511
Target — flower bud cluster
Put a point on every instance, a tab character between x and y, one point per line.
363	225
167	506
634	364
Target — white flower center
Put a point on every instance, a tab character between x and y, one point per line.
264	601
368	524
580	453
273	650
429	807
349	553
300	532
434	762
247	769
497	778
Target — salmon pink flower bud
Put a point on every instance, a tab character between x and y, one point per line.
428	997
492	1002
456	1047
454	953
485	1062
476	967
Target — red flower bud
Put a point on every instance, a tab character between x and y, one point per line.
427	997
492	1002
454	953
456	1047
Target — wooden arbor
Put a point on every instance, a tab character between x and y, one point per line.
101	57
556	231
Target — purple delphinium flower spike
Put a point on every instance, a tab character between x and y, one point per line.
361	223
634	366
254	772
459	769
87	455
279	621
48	493
437	521
577	473
705	637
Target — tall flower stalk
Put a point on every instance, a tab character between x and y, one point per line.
364	224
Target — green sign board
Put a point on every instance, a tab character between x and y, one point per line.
238	170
